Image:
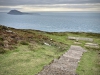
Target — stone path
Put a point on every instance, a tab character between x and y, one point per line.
66	64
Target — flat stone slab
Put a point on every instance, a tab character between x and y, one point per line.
66	64
92	45
80	38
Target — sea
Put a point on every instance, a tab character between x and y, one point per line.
54	21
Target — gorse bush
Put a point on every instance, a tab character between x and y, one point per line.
1	39
24	43
3	28
1	43
2	50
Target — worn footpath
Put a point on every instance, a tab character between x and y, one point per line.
66	64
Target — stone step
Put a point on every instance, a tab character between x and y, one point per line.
80	38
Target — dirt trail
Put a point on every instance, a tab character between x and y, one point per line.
66	64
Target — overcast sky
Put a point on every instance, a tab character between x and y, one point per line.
50	5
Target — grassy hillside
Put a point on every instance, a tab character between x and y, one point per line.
26	52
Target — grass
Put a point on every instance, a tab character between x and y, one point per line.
31	54
23	61
61	38
89	63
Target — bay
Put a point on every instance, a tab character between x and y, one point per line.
54	21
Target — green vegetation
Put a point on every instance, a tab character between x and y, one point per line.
23	43
26	52
2	50
23	61
89	64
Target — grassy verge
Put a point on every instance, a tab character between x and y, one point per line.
24	61
89	63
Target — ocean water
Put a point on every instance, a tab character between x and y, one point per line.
54	21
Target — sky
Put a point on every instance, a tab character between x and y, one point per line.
49	5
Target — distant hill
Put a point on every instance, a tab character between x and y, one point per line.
16	12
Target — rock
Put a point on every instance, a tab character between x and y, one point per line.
80	38
9	31
47	44
51	39
92	45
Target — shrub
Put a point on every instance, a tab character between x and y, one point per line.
1	43
2	50
3	28
23	43
1	39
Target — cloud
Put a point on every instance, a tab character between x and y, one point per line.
64	7
55	7
50	5
33	2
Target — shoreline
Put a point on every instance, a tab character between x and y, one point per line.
54	31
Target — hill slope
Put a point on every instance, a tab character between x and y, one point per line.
26	52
